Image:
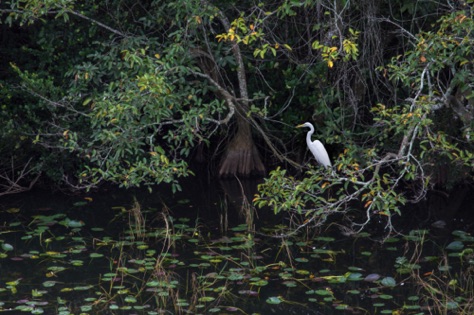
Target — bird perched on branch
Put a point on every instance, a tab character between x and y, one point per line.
316	147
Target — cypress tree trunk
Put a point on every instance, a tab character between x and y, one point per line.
241	156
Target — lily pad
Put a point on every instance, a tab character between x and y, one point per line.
323	292
260	283
455	246
7	247
452	305
290	284
372	277
72	223
388	282
214	310
302	272
49	284
274	300
130	299
354	276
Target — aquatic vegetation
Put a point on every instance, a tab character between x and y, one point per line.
146	261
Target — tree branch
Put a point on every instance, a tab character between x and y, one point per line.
82	16
13	178
229	98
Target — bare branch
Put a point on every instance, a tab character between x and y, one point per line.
53	103
13	178
82	16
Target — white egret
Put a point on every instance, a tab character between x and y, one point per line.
316	147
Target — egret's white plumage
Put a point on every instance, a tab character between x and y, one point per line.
316	147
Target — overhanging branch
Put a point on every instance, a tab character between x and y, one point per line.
110	29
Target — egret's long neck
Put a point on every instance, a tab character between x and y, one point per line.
309	134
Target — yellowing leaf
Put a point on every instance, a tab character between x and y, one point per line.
13	210
460	18
14	283
67	289
331	277
164	159
330	63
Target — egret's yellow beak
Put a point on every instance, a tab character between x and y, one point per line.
299	126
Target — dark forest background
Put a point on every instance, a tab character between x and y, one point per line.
142	93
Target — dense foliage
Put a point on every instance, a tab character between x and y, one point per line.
131	93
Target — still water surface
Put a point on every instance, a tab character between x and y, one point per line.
206	251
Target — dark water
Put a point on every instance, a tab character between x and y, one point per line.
206	250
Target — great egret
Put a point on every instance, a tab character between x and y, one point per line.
316	147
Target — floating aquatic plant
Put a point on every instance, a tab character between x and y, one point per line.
138	265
